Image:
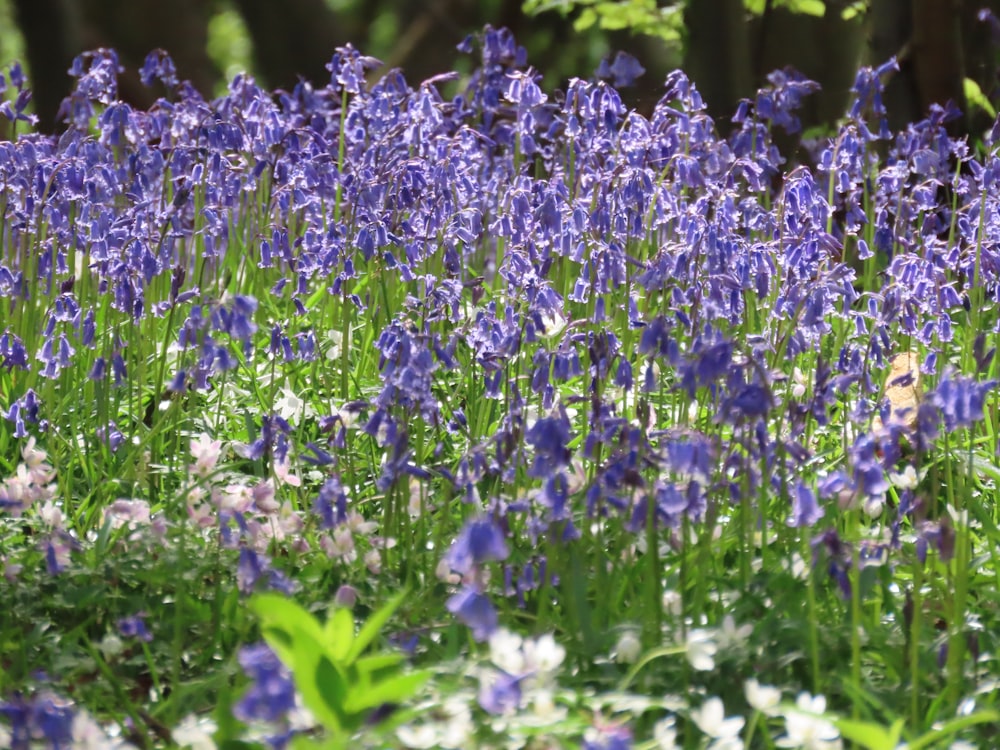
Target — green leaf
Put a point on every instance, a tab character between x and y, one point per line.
332	687
807	7
869	734
278	611
339	632
853	10
395	689
953	726
368	666
974	96
287	627
373	626
585	20
320	685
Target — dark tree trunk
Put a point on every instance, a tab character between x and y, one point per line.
47	29
718	54
295	39
937	53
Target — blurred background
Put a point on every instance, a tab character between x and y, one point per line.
947	48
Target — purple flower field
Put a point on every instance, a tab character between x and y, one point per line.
380	416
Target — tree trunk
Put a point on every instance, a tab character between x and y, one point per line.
717	57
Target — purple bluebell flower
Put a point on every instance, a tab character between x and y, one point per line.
249	569
479	542
961	399
331	503
501	695
158	66
549	436
271	694
623	71
135	627
474	609
45	716
805	510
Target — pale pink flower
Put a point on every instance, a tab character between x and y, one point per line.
205	453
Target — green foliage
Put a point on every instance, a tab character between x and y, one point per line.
648	18
11	41
229	44
337	682
976	98
637	16
804	7
873	736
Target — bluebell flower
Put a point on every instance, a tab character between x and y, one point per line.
331	503
158	66
52	719
249	569
623	71
550	437
135	627
480	541
502	695
868	471
474	609
12	352
805	510
271	694
961	399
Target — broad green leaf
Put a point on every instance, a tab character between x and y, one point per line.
373	626
853	10
955	725
807	7
869	734
974	96
332	687
311	673
585	20
368	667
339	632
396	689
276	611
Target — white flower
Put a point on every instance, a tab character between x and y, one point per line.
904	480
730	637
799	383
88	735
553	322
673	603
711	719
195	733
205	453
457	726
544	710
874	505
420	736
665	734
700	648
289	406
282	472
763	698
333	342
628	648
111	645
373	561
805	726
505	651
543	654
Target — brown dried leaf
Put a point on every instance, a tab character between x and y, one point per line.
902	389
